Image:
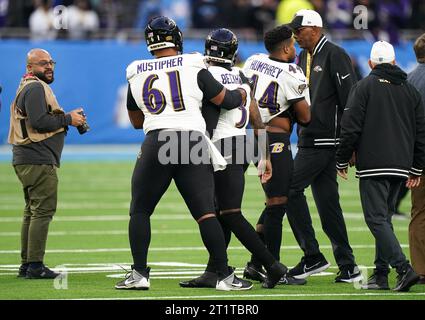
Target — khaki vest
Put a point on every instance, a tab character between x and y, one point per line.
20	131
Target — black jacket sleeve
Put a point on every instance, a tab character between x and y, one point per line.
36	109
419	149
343	74
351	125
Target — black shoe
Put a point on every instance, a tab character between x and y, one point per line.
239	284
22	273
41	273
349	274
274	274
377	281
291	281
421	280
307	267
206	280
405	279
254	273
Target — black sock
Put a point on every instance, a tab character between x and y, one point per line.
273	228
213	239
227	237
247	236
254	259
139	233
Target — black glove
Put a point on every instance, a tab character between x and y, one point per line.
246	80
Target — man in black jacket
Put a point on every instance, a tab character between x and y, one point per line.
384	124
330	76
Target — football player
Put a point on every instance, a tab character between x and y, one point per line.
221	47
280	88
164	98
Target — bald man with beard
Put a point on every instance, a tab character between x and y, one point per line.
38	126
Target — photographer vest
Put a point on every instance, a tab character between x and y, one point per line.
21	132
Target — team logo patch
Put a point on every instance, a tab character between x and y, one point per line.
277	147
301	88
318	69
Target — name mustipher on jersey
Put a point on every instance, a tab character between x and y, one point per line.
265	68
159	65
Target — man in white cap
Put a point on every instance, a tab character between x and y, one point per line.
383	108
330	76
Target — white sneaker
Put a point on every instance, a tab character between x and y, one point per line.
233	283
135	281
226	283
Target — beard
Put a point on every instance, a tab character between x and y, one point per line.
42	76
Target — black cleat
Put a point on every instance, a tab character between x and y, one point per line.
254	273
349	274
22	273
307	267
377	281
274	275
41	273
406	279
206	280
291	281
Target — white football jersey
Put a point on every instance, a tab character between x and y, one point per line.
276	83
166	90
231	122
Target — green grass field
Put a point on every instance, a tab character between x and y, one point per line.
88	239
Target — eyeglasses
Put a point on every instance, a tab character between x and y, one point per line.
45	63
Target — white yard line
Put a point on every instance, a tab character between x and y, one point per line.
277	295
167	231
98	250
159	216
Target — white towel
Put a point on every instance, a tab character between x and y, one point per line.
217	160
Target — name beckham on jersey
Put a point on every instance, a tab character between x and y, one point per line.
229	78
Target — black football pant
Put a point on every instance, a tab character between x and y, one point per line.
154	170
379	197
317	168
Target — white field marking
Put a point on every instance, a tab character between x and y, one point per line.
102	233
168	231
99	250
277	295
171	206
196	274
159	216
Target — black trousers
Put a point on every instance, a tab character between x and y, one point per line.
379	197
316	168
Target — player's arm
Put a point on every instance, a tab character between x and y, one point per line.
215	92
255	116
134	113
302	112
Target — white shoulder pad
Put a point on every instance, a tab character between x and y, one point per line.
195	59
132	69
294	71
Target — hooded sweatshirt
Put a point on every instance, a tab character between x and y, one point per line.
384	123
